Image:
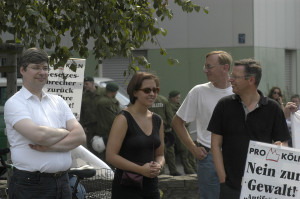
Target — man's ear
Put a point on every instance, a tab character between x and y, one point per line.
227	67
22	70
252	79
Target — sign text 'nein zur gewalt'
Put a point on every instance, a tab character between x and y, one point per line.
271	172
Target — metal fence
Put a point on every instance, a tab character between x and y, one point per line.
99	186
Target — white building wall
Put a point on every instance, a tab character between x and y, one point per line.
277	23
219	28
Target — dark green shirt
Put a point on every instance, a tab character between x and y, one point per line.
107	110
175	106
88	107
162	107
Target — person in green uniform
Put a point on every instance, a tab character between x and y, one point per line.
188	161
162	107
107	108
88	116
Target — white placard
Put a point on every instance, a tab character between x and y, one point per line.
295	128
271	172
68	84
81	156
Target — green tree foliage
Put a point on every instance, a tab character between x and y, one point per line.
114	27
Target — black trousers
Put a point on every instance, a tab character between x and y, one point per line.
227	192
34	185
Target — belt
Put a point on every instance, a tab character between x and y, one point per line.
53	175
201	145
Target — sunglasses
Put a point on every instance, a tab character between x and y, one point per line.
148	90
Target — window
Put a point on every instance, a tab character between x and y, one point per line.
290	73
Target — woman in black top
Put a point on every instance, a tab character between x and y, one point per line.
136	142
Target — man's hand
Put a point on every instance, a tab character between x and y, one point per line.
289	108
200	153
279	143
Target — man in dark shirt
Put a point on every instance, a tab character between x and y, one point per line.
241	117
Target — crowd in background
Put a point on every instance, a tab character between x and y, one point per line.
210	155
229	111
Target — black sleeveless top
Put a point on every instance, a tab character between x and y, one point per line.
137	146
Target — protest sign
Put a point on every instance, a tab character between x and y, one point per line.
68	84
295	128
271	172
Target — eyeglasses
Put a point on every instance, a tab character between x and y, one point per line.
148	90
208	66
234	77
45	69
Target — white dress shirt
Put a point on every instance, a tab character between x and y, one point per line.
51	111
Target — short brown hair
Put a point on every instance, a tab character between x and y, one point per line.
136	82
33	56
252	68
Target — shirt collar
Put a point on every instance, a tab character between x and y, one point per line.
262	101
27	94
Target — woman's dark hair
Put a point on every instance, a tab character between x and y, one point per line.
270	95
136	83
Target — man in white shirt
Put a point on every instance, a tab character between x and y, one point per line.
41	131
199	105
291	107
